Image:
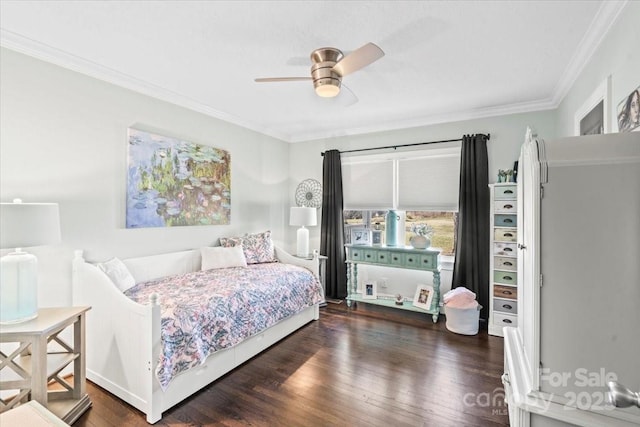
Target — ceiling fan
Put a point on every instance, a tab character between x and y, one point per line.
330	65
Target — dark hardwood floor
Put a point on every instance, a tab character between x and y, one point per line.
364	367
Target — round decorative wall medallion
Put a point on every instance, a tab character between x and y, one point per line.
309	194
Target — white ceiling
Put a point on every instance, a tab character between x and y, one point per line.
445	61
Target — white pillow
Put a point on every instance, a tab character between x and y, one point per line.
118	273
220	257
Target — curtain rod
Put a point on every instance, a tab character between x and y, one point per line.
406	145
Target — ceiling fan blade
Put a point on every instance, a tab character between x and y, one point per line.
348	97
358	59
281	79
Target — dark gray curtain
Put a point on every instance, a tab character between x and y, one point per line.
471	268
331	228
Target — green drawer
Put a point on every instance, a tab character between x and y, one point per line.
383	257
505	220
428	261
505	192
395	259
506	277
411	260
356	254
369	255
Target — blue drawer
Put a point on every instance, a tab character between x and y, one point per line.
505	305
505	220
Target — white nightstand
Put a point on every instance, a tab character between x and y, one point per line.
32	365
322	275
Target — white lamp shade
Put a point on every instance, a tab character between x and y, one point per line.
303	216
24	225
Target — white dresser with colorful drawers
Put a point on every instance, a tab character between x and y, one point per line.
503	269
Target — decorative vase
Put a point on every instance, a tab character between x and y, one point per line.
391	228
420	242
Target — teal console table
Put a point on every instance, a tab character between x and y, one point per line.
395	257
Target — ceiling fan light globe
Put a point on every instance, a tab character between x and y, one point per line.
327	90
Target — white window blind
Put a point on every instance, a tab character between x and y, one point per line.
426	180
429	183
367	183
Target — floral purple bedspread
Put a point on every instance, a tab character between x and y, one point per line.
206	311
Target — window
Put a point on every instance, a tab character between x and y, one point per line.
422	185
444	225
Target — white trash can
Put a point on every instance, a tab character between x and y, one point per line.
463	321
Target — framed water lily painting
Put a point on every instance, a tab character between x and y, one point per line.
171	182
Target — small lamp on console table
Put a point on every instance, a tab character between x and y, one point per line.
303	216
23	225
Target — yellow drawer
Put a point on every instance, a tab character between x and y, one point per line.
505	235
505	263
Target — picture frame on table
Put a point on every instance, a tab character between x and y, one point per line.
360	236
423	297
369	290
376	237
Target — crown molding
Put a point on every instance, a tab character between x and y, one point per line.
434	119
606	16
38	50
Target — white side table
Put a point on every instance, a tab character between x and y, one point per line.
40	357
322	275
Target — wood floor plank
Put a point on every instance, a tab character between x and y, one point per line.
352	367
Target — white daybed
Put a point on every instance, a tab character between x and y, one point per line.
123	337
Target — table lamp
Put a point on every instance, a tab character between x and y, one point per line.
23	225
303	216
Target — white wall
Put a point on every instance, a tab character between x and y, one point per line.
63	138
617	56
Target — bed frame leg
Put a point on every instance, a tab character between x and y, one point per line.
316	312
